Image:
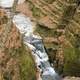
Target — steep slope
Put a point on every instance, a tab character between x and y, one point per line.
58	22
16	62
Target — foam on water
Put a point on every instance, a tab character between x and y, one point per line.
34	42
23	23
9	3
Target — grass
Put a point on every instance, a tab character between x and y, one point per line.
72	61
45	32
49	1
27	67
25	61
37	13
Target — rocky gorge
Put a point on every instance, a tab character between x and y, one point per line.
58	23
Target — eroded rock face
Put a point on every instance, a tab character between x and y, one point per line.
58	22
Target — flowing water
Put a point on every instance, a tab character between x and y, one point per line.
34	42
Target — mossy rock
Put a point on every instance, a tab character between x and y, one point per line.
19	64
45	31
72	62
27	65
49	1
72	68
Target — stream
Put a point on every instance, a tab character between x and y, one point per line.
34	42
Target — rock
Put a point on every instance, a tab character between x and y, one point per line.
71	78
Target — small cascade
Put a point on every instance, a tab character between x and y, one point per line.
9	3
34	42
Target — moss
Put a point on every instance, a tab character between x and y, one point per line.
25	63
72	61
72	54
37	13
27	67
44	31
49	1
72	68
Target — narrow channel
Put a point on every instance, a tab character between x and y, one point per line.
34	42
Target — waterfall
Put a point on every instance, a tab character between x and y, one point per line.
9	3
35	43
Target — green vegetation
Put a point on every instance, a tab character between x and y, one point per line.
28	70
72	61
49	1
67	33
44	31
26	65
36	12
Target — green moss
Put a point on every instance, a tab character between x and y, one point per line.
27	67
37	13
72	61
44	31
26	62
69	53
49	1
72	68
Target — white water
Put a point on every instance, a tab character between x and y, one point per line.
9	3
34	42
23	24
